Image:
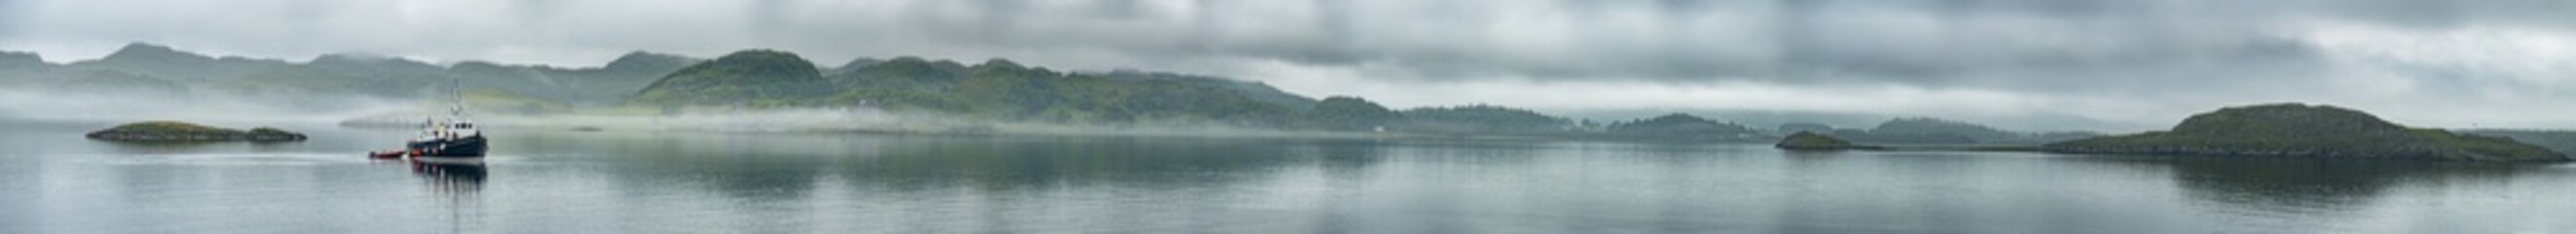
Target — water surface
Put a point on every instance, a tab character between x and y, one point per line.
538	181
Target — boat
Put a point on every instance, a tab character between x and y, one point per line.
453	137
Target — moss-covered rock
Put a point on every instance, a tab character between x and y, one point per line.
2318	131
175	131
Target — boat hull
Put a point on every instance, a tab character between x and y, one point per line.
462	147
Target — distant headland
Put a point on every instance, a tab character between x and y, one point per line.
2310	131
2287	130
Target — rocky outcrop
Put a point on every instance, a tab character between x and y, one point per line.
174	131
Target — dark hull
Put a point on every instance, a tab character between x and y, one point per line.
464	147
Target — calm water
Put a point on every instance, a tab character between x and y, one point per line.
51	181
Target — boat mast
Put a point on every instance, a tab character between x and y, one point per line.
456	94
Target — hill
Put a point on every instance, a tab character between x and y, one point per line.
1254	90
165	70
1680	127
1926	130
753	77
1004	90
164	62
1489	119
996	89
20	60
1349	114
2298	130
2562	141
1813	141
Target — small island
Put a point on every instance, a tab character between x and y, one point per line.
2308	131
1808	141
175	131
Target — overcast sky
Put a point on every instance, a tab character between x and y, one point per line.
2507	63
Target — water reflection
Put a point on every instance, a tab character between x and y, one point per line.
160	147
2292	191
456	182
1348	160
1009	164
2313	186
766	168
451	177
455	177
790	183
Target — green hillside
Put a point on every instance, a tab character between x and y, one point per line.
1933	131
1814	141
1681	127
1004	90
753	77
175	131
2297	130
1483	119
326	78
2562	141
1349	114
995	90
1255	90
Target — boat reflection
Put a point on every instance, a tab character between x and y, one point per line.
456	182
448	176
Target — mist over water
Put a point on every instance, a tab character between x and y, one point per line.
108	106
111	105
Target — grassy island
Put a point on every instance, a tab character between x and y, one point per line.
175	131
1813	141
2310	131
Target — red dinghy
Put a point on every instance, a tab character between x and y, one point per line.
388	154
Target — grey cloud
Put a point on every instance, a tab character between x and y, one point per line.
1933	41
1955	42
9	7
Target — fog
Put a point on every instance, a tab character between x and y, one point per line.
2125	65
103	107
